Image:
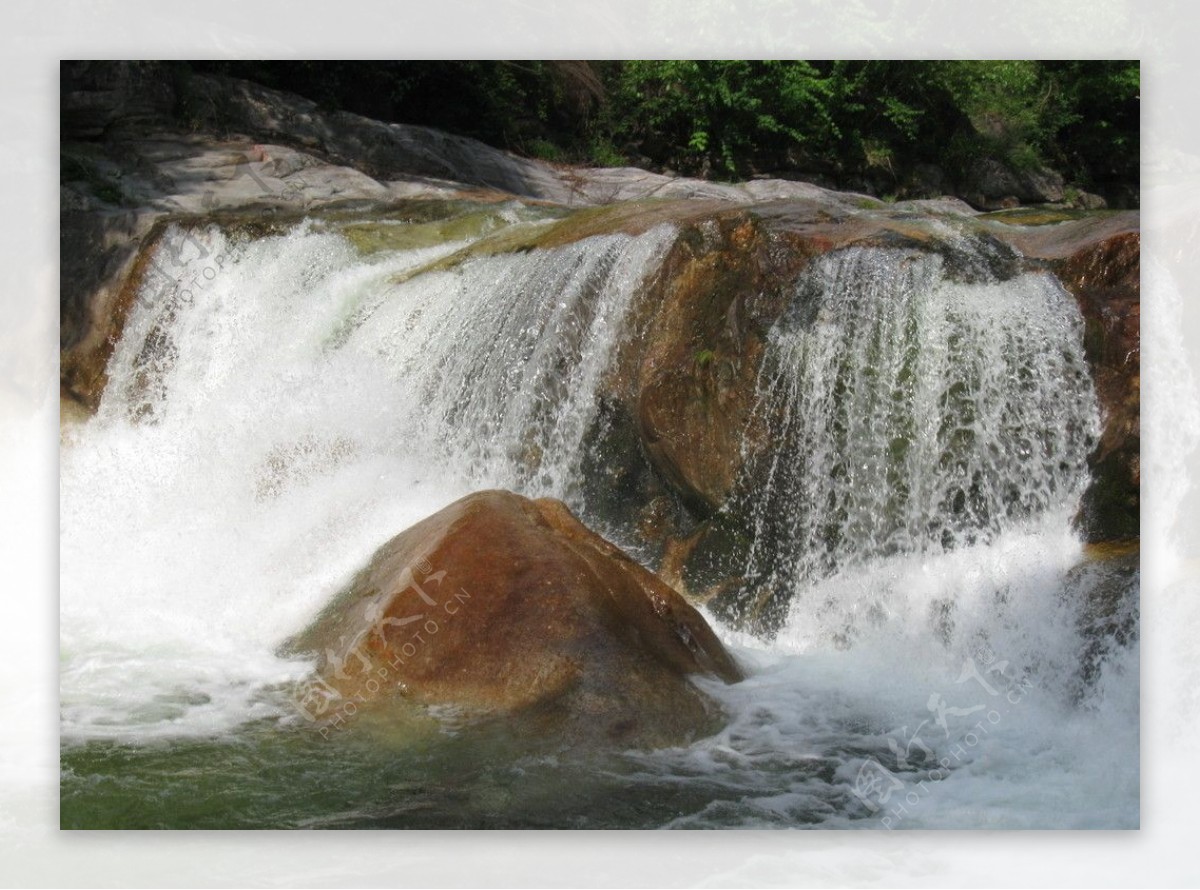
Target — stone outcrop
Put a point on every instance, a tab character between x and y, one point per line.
993	185
262	140
505	606
692	390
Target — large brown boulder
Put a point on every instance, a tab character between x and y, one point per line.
506	606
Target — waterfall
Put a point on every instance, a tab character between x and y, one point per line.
910	412
276	410
279	407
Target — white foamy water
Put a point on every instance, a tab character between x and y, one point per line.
956	702
291	405
267	427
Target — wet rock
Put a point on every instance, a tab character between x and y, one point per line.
1105	279
695	380
1089	201
101	271
505	606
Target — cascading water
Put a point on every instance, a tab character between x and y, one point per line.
285	405
910	413
909	540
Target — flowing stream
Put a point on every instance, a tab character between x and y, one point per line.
278	408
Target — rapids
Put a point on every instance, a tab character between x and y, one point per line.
277	408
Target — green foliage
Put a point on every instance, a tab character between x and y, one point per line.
878	154
1015	107
716	117
1100	146
602	153
544	149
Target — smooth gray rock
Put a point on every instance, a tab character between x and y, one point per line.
990	181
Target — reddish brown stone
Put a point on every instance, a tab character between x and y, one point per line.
1104	277
505	605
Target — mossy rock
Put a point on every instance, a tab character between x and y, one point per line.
442	223
1041	216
